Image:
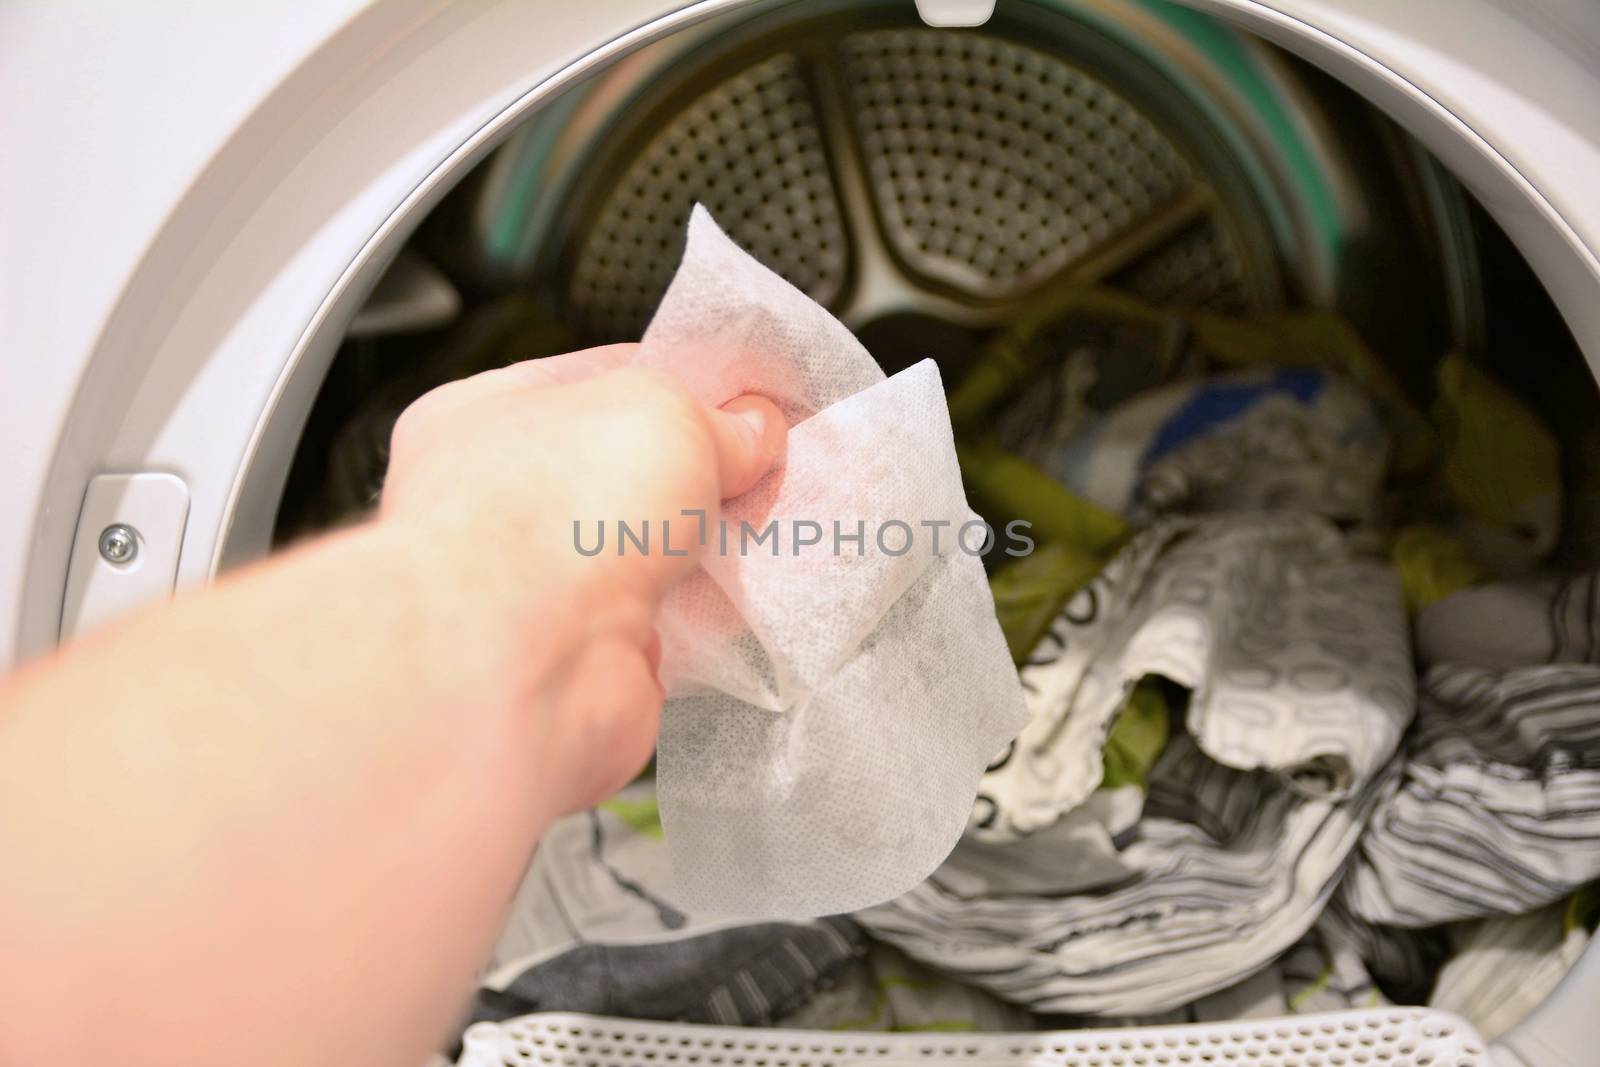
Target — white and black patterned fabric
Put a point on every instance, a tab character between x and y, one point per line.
1230	869
1293	647
1498	810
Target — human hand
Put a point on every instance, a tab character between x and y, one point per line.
487	476
334	764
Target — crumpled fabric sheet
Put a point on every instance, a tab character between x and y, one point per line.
829	714
1293	645
1229	869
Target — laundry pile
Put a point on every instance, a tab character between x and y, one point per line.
1308	728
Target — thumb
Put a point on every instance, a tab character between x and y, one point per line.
750	434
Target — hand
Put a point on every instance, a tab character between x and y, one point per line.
322	775
488	476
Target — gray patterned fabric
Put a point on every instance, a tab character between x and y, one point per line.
1285	860
1293	646
1323	971
1231	868
596	928
750	975
1340	965
1499	807
1326	970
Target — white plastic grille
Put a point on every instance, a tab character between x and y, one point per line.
1393	1037
988	164
750	150
995	164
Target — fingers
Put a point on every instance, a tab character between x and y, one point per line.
529	374
570	367
749	433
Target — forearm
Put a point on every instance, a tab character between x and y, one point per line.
221	840
279	820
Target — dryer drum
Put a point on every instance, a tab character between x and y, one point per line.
942	189
925	185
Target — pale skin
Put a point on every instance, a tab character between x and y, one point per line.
279	820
